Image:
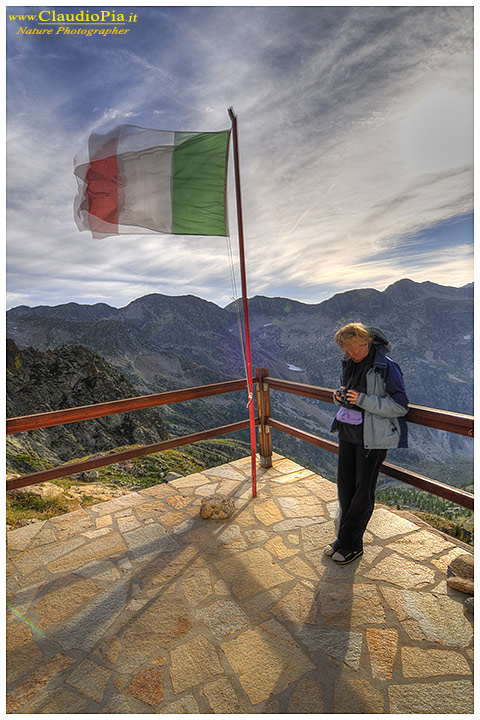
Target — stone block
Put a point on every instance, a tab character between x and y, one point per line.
399	571
178	501
307	698
84	630
316	536
299	567
295	523
443	562
251	572
267	660
116	705
62	597
20	538
223	617
193	663
356	695
324	489
428	617
386	524
30	560
58	702
343	605
452	697
291	490
157	625
90	679
187	705
148	541
421	545
463	566
109	650
71	523
197	587
301	507
277	546
382	645
172	519
23	653
125	524
267	512
101	547
298	606
27	690
147	686
345	646
190	481
292	477
464	585
221	697
225	471
257	537
419	662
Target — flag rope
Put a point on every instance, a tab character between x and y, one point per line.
236	299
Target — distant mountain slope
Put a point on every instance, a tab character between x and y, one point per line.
160	342
430	328
67	377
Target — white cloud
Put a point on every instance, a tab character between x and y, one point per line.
334	106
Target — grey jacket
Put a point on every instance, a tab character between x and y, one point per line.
384	404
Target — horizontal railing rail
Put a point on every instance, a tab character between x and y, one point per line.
115	457
448	492
428	417
89	412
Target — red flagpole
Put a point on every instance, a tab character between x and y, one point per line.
251	408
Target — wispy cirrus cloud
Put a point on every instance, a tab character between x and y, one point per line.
345	150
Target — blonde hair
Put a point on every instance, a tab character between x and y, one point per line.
352	334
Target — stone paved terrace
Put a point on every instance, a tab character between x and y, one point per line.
138	605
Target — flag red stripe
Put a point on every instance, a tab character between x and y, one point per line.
103	186
102	189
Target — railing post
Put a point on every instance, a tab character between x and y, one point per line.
263	406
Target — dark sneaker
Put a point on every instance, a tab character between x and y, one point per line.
344	559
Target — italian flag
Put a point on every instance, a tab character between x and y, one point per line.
138	181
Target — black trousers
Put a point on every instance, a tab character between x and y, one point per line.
358	471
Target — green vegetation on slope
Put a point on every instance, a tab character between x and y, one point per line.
446	516
132	474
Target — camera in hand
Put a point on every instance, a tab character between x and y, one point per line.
342	394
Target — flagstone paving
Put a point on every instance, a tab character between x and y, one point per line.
138	605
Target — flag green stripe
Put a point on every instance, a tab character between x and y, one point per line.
199	183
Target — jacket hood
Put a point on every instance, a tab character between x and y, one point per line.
379	337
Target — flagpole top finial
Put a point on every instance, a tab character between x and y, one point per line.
231	113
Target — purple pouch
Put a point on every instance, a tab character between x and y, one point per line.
349	416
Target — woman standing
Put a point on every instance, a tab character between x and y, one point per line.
372	402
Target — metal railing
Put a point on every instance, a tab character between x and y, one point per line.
428	417
88	412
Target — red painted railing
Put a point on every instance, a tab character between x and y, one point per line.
429	417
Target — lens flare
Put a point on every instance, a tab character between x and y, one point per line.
27	622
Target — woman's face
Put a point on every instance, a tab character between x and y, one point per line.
357	351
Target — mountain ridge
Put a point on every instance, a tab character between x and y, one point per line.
114	310
161	342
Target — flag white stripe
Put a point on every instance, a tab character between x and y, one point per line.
145	179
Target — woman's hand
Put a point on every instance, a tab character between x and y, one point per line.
352	396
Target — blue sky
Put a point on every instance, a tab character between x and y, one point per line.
356	145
